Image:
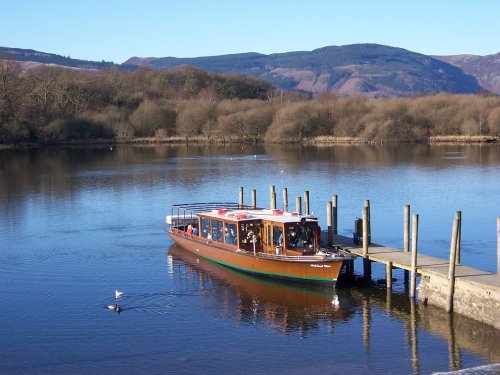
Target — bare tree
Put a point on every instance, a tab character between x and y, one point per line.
9	79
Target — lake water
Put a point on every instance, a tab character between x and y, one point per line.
77	223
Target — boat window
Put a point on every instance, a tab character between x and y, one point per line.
291	237
301	235
205	228
268	236
230	234
217	230
277	236
250	232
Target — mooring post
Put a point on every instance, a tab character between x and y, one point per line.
388	274
254	198
306	202
367	269
329	218
451	269
498	245
406	236
272	197
368	221
241	197
334	214
414	245
285	199
365	231
298	205
458	216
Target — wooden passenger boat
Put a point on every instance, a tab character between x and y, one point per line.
265	242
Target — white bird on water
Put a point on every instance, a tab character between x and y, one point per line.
118	294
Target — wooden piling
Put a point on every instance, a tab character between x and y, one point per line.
298	205
451	269
388	274
365	231
241	196
367	268
414	245
498	245
254	198
285	199
406	235
329	219
306	202
334	214
368	221
272	197
458	216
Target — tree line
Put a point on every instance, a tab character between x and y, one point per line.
55	105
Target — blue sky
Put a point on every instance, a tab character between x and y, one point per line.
114	30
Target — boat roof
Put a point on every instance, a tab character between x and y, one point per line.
236	212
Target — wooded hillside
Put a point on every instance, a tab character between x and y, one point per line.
54	105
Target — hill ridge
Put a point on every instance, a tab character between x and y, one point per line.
370	69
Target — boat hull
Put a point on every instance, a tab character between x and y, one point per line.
318	271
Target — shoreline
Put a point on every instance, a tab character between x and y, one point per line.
323	140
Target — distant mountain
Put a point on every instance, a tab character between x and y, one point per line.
486	69
32	58
371	69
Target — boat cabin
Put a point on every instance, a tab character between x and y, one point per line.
252	230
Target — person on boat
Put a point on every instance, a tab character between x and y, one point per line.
189	229
230	237
195	231
292	238
206	234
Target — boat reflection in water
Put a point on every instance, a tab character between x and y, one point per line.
284	306
288	307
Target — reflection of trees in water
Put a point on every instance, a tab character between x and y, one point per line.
40	171
432	156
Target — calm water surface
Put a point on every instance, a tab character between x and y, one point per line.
78	223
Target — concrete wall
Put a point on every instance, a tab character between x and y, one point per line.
471	299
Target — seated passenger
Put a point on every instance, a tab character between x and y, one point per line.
230	237
292	239
206	234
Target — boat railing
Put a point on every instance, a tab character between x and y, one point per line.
186	213
303	258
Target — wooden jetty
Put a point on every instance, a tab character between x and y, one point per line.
471	285
444	283
426	264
